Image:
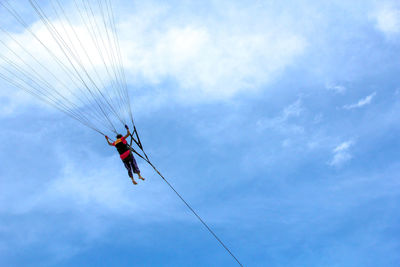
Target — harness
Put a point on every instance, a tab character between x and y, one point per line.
121	145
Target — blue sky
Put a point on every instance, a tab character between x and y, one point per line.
277	121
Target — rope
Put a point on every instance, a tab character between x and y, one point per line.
73	75
100	103
145	157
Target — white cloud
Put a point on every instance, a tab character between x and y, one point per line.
387	19
341	154
339	89
293	110
210	63
281	122
35	66
343	146
79	198
205	60
108	188
362	102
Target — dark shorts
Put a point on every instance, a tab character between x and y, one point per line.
131	165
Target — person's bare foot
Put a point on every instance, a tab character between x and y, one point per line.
133	181
141	177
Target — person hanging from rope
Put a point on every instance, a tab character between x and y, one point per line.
126	155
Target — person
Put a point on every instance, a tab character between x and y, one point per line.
126	155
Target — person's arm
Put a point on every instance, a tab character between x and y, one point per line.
108	141
128	132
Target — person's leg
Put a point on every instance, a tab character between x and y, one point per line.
129	168
135	167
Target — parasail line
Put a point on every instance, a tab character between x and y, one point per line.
108	48
81	45
61	64
41	65
54	35
181	198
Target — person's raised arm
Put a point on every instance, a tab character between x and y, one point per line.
108	141
128	132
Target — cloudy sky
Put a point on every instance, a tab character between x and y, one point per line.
277	121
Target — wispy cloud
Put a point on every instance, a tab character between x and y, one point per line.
281	122
79	187
206	60
387	19
84	191
339	89
213	59
362	102
341	154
